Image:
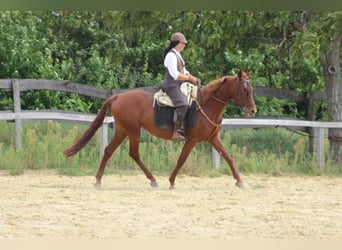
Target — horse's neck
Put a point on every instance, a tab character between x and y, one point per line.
213	105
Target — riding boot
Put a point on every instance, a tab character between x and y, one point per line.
178	132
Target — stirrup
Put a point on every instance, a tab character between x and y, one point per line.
177	136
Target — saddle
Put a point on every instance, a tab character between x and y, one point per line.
164	110
188	89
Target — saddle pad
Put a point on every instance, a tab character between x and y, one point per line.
188	89
163	116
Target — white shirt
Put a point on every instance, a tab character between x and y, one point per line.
170	62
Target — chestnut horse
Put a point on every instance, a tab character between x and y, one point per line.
133	110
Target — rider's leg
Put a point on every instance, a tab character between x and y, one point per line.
178	132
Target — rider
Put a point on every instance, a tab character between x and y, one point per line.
175	75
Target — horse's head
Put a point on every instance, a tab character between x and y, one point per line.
244	95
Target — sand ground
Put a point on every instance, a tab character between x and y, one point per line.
45	205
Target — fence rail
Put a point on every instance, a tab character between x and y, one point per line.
320	130
57	115
21	85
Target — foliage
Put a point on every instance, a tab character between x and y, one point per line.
123	49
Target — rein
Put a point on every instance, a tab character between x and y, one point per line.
219	125
219	100
205	115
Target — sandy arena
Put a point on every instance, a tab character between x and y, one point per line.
44	205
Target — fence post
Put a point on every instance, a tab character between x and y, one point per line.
319	141
103	138
215	157
17	109
311	117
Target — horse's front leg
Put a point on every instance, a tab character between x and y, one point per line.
218	145
188	146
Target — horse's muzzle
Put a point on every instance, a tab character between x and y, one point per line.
250	111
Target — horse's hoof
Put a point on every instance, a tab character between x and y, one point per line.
154	184
240	184
97	185
172	187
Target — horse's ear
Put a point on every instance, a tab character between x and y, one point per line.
239	73
249	72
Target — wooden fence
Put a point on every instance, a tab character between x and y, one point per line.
17	86
319	129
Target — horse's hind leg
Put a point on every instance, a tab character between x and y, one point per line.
188	146
134	153
117	139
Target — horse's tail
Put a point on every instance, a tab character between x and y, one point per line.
93	127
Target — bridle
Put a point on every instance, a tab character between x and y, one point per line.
243	107
240	93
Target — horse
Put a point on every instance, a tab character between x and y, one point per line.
133	110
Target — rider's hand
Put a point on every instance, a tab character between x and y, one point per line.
198	81
195	80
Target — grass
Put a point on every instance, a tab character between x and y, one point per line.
274	151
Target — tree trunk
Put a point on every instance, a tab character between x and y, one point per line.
330	61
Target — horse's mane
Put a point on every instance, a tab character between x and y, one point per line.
208	90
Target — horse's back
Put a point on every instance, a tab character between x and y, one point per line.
134	103
134	99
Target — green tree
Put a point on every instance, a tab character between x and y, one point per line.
320	35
